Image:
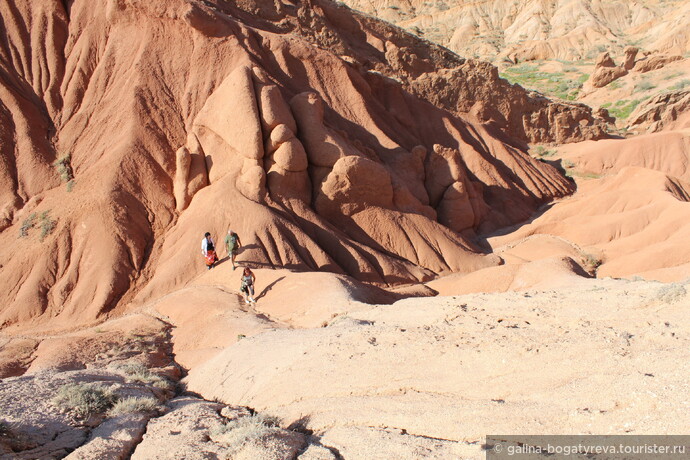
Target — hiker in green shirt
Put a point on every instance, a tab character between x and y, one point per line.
232	244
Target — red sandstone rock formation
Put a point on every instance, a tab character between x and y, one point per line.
654	62
606	70
664	112
327	140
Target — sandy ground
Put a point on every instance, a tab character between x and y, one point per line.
607	357
425	377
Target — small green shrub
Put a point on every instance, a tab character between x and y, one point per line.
590	262
70	185
672	75
615	84
135	404
594	52
84	399
623	108
28	224
542	152
644	86
47	224
680	85
64	167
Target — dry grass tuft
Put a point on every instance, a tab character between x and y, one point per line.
85	399
135	404
138	373
671	293
244	430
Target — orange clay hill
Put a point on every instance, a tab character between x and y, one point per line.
327	140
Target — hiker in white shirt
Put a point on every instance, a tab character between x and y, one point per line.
208	250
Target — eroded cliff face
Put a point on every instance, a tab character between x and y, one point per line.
537	29
327	140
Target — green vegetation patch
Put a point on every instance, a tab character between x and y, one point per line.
622	109
672	75
685	83
63	165
615	84
553	84
47	224
542	152
644	85
28	224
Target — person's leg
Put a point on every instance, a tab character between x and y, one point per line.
251	291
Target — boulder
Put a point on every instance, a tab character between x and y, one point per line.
354	184
281	133
654	63
291	156
630	54
274	109
604	60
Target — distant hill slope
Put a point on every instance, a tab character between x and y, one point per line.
537	29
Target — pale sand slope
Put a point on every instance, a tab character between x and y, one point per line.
667	152
629	216
633	222
520	275
610	356
209	314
